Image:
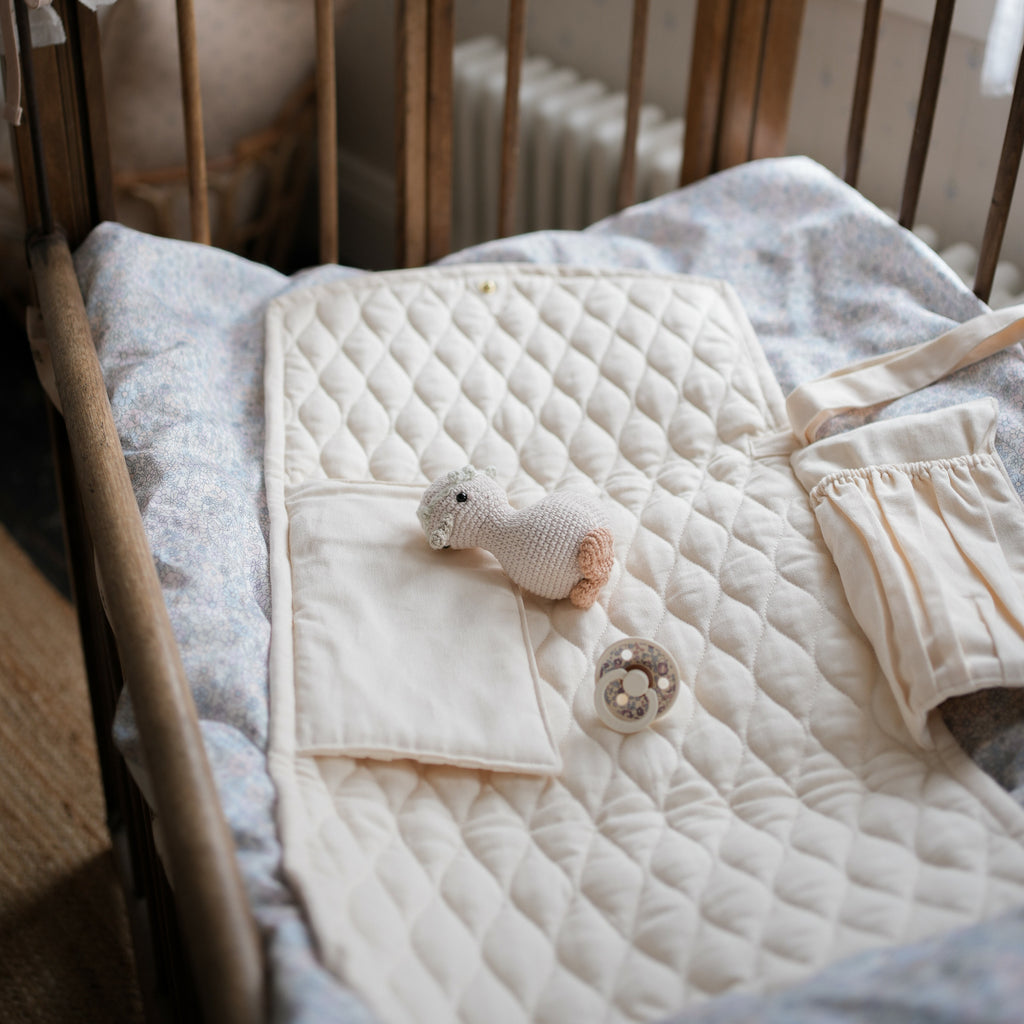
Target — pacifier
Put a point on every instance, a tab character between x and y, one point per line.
637	683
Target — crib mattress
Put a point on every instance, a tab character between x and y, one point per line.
824	277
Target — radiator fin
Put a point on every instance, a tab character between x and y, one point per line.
571	131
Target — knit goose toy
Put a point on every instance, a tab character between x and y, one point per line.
560	546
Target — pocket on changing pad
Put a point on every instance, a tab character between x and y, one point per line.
927	534
401	651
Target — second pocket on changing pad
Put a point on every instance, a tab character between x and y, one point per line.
926	532
401	651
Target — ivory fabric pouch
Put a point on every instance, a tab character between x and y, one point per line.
927	534
399	653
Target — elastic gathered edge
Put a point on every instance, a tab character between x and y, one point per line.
908	469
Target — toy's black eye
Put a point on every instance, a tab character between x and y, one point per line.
462	496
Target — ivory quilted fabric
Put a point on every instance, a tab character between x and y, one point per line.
779	818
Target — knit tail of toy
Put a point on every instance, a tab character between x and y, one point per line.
595	560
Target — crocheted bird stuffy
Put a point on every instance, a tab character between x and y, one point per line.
560	546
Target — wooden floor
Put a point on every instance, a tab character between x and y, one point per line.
64	946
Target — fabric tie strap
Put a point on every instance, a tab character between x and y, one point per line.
921	520
895	374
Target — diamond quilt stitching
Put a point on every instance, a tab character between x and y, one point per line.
742	842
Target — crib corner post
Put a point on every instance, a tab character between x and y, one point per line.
68	107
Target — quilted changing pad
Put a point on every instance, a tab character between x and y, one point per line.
779	817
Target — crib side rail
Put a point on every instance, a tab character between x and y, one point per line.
64	182
220	934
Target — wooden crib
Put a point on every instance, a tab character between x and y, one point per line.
198	948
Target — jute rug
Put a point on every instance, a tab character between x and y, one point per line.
64	948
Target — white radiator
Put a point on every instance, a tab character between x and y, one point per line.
571	132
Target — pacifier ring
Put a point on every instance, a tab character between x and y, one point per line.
637	682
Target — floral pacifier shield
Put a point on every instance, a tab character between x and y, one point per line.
637	682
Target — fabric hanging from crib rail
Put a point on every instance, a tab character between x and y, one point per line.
922	521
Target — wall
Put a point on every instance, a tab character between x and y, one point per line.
592	36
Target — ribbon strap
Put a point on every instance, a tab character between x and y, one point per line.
895	374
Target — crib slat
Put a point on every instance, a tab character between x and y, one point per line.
739	101
704	101
626	189
778	71
510	118
220	934
941	23
327	130
84	24
741	82
195	146
411	87
1002	193
862	90
439	129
